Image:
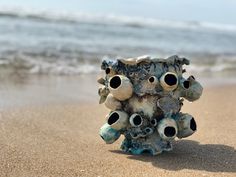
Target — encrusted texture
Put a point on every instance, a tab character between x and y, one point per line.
145	96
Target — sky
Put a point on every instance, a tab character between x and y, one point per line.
215	11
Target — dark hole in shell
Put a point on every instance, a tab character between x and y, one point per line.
170	79
115	82
193	124
186	84
102	137
108	70
153	122
137	120
151	79
146	152
113	118
192	77
147	130
169	131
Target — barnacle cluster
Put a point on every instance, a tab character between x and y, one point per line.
145	96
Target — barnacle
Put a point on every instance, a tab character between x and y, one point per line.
120	87
112	103
169	81
145	96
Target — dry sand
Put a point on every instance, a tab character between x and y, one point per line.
63	140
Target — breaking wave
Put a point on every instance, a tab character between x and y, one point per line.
45	42
137	22
32	66
29	66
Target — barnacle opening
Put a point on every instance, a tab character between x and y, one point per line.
108	70
137	120
186	84
169	131
148	130
170	79
135	135
193	124
115	82
114	117
154	122
151	79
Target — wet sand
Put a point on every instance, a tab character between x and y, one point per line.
61	139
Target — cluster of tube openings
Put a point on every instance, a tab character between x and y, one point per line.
183	125
143	130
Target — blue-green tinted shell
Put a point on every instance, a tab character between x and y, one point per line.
108	134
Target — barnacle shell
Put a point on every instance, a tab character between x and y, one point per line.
194	91
152	80
120	87
110	71
112	103
117	120
169	81
103	92
101	81
186	125
136	120
167	129
190	89
108	134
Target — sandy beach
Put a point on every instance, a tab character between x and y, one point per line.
61	139
53	52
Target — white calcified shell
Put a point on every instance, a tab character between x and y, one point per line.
145	58
132	120
135	61
128	61
112	103
164	85
118	120
167	129
120	87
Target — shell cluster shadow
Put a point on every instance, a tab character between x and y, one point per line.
188	154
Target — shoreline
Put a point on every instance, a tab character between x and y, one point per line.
35	90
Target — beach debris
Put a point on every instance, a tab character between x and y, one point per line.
145	96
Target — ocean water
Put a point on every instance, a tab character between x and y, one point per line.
74	44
